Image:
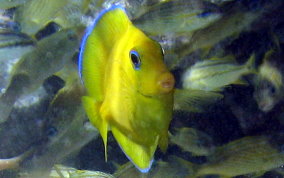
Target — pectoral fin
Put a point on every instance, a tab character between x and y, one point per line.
92	109
141	156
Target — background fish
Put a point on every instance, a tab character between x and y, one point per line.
35	14
6	4
13	46
66	118
243	156
213	75
14	162
61	171
268	84
27	74
193	140
129	89
177	16
194	100
230	25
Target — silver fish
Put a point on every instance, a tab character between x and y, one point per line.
243	156
35	14
49	56
7	4
194	141
213	75
175	17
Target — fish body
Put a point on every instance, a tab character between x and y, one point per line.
229	25
11	163
272	74
129	89
14	45
65	115
50	55
213	75
194	100
266	94
175	17
194	141
243	156
268	84
7	4
61	171
35	14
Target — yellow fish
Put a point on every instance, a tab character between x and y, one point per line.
129	88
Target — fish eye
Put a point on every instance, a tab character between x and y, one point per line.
272	90
52	131
135	58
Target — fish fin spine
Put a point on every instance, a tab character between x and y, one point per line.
92	109
250	64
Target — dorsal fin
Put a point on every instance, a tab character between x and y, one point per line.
97	44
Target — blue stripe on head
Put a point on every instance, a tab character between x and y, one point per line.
89	31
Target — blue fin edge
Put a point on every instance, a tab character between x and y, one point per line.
89	30
141	170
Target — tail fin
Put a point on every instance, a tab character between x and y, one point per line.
250	64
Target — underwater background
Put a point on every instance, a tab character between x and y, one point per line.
226	57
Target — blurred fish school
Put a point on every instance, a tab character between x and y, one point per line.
226	118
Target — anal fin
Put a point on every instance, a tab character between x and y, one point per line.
141	156
92	110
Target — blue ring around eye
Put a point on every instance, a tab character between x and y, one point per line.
135	58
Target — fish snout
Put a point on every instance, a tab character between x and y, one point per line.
166	82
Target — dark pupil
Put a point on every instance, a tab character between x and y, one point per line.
272	90
135	60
